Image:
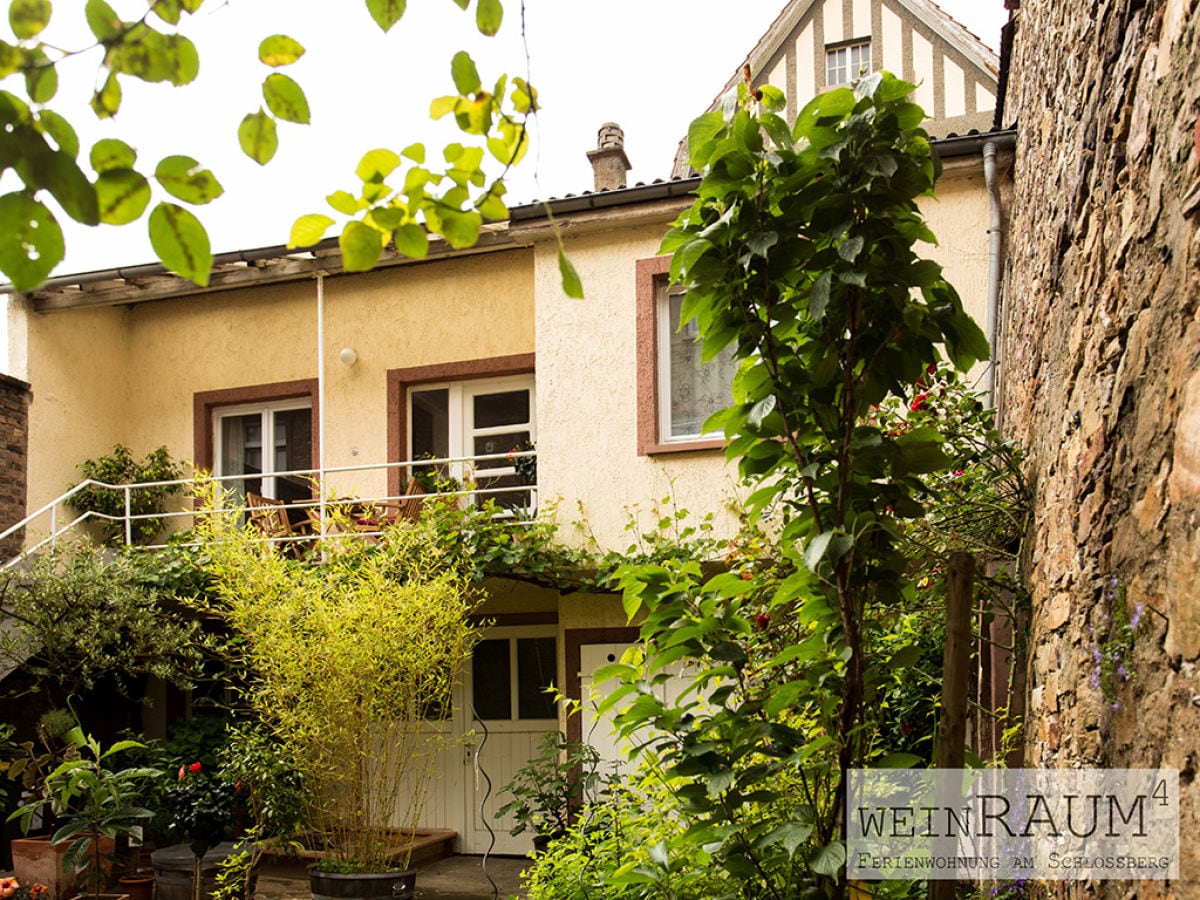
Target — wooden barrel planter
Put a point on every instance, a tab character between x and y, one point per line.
363	885
173	868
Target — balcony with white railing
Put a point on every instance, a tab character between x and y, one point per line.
294	507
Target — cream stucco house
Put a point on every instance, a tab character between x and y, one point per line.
286	363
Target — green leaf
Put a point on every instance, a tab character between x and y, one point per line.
377	165
571	284
27	18
182	60
60	174
818	298
279	50
488	15
361	246
168	10
344	202
257	137
791	835
702	135
181	242
106	102
102	20
850	249
491	205
285	98
441	106
308	230
185	179
815	551
829	859
466	76
122	195
41	81
110	153
761	410
898	761
411	240
31	241
386	13
415	152
60	131
460	229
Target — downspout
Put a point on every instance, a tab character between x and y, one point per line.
321	397
995	250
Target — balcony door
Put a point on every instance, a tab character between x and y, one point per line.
478	418
263	441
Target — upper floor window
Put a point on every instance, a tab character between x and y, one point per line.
844	64
677	392
263	441
487	417
693	389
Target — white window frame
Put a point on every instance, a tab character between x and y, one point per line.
841	67
460	435
266	412
513	633
665	326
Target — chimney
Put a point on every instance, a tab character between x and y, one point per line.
609	162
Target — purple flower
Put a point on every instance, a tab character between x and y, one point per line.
1094	678
1096	655
1121	672
1115	705
1136	617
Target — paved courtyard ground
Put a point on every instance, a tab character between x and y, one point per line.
453	878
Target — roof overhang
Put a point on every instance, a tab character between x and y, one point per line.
643	203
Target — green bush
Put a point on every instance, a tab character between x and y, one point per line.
630	845
108	504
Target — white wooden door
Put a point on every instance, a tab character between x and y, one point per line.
505	685
599	729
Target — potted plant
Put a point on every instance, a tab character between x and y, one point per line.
350	665
200	808
91	804
273	802
548	790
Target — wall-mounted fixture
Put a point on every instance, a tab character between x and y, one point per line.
348	356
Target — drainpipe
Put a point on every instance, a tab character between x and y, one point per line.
321	396
995	246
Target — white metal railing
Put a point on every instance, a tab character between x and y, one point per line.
465	479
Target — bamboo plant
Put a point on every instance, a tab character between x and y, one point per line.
351	666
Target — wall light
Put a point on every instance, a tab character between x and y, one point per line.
348	356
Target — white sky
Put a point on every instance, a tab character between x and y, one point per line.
649	65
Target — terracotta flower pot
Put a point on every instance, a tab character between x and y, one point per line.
37	860
138	887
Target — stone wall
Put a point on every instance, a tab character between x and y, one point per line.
1101	380
14	454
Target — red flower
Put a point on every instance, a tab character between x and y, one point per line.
762	620
182	772
906	728
919	402
194	768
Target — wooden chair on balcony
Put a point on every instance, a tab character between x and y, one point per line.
270	516
389	512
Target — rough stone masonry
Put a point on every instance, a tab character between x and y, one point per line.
14	448
1101	384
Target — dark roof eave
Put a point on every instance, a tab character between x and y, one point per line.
947	148
642	193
